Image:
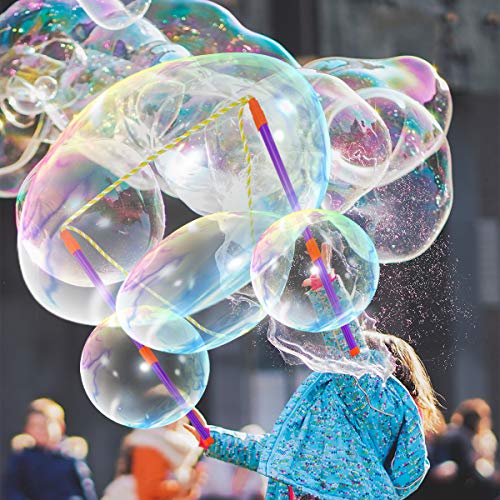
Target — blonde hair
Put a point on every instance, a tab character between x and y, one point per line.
411	372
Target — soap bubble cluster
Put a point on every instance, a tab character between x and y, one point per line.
140	100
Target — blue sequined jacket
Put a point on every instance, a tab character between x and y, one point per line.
338	437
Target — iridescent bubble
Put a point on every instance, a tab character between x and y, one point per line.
328	351
203	27
193	113
142	43
415	134
283	276
115	14
360	141
122	386
404	218
192	292
217	172
69	180
410	75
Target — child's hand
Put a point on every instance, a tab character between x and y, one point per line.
191	429
326	257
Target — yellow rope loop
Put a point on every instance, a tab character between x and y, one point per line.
248	161
120	268
214	116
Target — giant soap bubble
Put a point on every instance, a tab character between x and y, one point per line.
122	386
280	266
404	217
192	291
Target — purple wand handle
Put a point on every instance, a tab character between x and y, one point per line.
263	127
75	249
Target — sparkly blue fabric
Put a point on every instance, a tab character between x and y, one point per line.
338	437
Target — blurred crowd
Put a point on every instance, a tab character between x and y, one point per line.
166	463
153	464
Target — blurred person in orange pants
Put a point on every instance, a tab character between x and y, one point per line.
158	464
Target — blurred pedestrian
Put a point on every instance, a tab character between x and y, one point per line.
464	455
158	464
40	467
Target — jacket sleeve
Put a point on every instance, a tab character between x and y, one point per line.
409	464
236	448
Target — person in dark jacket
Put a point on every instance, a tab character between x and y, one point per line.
39	470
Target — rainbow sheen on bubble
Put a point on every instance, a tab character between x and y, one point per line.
404	218
203	27
360	142
281	264
192	292
122	386
415	134
410	75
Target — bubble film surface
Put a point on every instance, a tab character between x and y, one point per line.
192	292
80	304
115	14
404	218
122	386
203	27
328	352
360	142
410	75
415	134
280	266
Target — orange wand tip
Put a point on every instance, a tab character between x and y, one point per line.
354	351
70	242
205	443
258	115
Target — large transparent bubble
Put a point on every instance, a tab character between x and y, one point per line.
410	75
192	292
216	174
286	282
122	386
67	181
360	141
190	111
204	27
115	14
328	351
405	217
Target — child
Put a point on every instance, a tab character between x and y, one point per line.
343	437
340	436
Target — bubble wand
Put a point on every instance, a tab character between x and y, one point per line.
147	354
313	250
